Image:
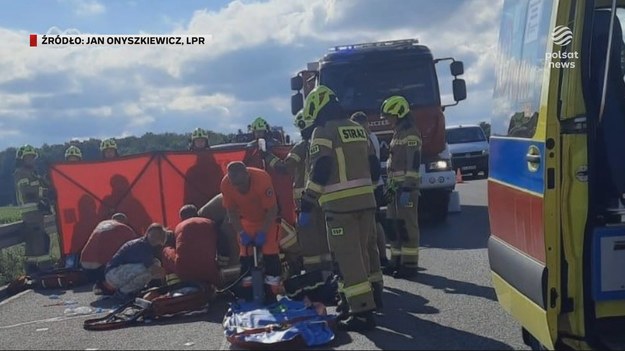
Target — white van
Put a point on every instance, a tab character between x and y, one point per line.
468	146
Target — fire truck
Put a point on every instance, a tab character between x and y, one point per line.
364	75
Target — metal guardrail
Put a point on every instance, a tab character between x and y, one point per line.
14	233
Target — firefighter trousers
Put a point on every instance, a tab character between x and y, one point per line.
37	250
314	243
290	250
352	238
404	223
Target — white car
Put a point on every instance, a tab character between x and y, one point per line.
469	149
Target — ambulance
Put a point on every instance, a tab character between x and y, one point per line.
557	172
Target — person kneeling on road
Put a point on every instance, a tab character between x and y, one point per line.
193	255
252	206
134	265
107	237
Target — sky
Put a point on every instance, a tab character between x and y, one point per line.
52	95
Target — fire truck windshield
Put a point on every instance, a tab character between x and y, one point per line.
363	85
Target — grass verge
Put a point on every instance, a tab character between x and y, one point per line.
12	258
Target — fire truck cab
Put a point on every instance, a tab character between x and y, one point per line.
364	75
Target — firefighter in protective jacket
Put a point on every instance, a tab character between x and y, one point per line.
343	169
312	238
73	154
32	192
199	140
108	148
260	130
403	177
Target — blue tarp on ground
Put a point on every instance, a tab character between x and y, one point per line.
283	322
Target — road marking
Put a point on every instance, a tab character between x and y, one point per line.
14	297
54	319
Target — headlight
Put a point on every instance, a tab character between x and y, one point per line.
485	152
439	165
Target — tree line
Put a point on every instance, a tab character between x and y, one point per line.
50	154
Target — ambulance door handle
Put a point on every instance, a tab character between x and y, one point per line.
533	154
532	158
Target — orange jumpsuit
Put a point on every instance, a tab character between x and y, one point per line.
253	207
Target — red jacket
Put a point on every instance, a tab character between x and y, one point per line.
194	257
105	240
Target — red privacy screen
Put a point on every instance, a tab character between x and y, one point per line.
149	187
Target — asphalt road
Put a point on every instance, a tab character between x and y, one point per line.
450	305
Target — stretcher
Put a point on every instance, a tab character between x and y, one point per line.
155	303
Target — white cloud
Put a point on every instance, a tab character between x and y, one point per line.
98	112
135	89
86	7
193	102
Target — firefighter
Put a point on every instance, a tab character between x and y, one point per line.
312	239
343	167
260	130
73	154
199	140
361	118
31	192
403	178
108	147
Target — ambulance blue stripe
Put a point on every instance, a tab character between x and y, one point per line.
507	163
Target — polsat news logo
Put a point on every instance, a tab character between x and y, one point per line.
562	35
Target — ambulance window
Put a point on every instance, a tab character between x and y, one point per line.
525	29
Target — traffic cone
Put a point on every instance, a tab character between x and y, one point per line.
459	176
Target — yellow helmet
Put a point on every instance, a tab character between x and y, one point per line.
396	106
25	150
108	144
300	122
73	151
260	124
315	101
199	133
